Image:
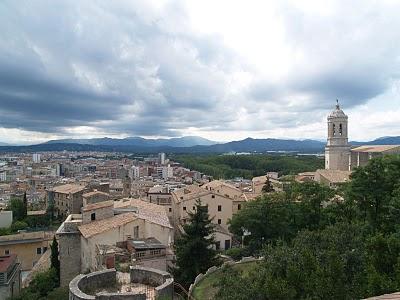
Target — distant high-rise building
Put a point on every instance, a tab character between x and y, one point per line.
134	172
161	158
36	158
167	172
337	150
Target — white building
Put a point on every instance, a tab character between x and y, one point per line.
167	172
134	172
161	158
36	157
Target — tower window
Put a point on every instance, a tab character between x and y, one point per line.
93	216
340	129
334	129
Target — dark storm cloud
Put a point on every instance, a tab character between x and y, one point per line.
127	67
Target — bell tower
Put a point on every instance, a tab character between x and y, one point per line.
337	150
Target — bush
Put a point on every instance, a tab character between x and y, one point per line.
18	225
236	253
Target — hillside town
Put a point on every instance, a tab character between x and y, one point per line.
108	211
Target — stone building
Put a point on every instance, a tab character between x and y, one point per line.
107	223
67	198
362	154
337	150
223	201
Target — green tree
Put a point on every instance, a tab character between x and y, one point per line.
55	262
267	188
17	206
25	206
194	249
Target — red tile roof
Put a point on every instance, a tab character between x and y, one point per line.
6	261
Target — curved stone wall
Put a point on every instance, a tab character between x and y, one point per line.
160	280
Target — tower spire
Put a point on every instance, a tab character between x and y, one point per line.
337	104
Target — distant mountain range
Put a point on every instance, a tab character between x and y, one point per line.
187	145
186	141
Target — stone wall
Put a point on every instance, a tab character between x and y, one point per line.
81	286
163	281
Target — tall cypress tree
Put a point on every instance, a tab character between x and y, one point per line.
55	262
194	249
25	211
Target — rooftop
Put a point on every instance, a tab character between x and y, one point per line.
100	226
69	188
334	176
149	243
98	205
6	261
375	148
94	193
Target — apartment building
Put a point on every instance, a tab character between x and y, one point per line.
68	198
28	246
223	201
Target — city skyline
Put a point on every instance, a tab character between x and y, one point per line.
223	71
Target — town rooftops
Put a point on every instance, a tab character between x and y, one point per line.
151	212
6	261
375	148
70	188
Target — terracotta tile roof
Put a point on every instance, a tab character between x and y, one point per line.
6	261
334	176
98	205
69	188
94	193
100	226
151	212
375	148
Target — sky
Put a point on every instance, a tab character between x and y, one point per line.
224	70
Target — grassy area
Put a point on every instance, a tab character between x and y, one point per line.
205	289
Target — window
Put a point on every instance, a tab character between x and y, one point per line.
239	206
6	252
136	232
219	221
170	209
155	252
213	196
194	207
184	208
219	207
334	129
93	216
38	250
181	197
340	129
44	249
217	245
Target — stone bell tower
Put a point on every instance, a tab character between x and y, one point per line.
337	150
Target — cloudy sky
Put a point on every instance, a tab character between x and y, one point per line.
223	70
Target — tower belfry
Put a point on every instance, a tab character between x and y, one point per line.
337	150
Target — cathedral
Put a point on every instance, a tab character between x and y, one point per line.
339	155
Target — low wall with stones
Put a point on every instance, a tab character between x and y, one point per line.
213	269
81	285
162	281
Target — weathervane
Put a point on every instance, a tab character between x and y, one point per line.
337	104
